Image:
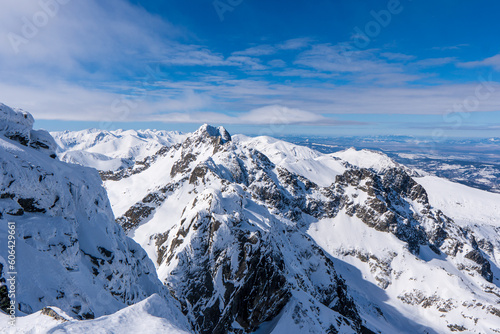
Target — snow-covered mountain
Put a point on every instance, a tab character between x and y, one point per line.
474	162
257	235
69	252
111	150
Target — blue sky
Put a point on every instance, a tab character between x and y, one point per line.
421	68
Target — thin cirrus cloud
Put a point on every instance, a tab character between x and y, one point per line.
191	55
361	66
267	49
295	43
397	56
277	63
282	115
261	50
215	102
451	47
493	62
432	62
334	58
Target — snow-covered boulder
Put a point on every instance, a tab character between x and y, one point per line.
17	125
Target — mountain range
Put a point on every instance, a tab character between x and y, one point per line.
209	232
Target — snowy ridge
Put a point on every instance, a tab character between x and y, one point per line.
70	252
208	198
111	150
317	167
152	315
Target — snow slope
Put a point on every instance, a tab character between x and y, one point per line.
152	315
111	150
467	206
317	167
69	251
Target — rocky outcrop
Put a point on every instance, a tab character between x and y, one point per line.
140	211
17	125
71	253
226	271
49	311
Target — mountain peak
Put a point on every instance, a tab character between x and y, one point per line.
17	125
212	131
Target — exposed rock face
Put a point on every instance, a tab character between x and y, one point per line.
70	252
4	293
142	210
17	125
230	274
53	314
231	271
239	253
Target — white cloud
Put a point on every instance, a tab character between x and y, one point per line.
334	58
78	34
451	47
251	63
72	102
354	65
397	56
216	101
276	114
294	72
260	50
276	63
432	62
295	44
267	115
491	62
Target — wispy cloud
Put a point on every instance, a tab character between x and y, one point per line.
295	44
227	101
397	56
246	62
432	62
82	35
277	63
276	114
191	55
260	50
451	47
271	114
304	73
357	66
493	62
268	49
